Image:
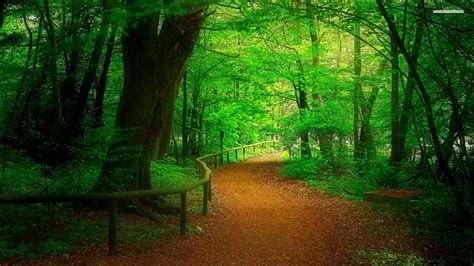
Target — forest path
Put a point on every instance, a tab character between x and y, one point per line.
257	217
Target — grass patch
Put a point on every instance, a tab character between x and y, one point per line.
388	257
341	185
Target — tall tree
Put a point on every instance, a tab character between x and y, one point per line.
357	91
154	58
323	136
395	153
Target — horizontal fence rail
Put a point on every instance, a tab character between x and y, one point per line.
204	172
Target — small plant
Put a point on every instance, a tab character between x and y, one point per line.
388	257
54	247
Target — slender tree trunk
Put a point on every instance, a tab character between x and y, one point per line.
303	108
3	6
23	81
100	89
53	69
325	145
395	152
91	72
68	92
410	87
184	117
442	162
175	146
357	85
367	143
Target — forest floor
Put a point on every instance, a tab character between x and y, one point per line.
257	217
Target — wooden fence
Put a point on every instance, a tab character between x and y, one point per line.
111	198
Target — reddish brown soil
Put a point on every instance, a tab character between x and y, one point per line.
257	217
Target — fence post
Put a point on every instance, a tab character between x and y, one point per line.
113	227
236	155
221	156
228	158
209	188
243	152
182	215
205	199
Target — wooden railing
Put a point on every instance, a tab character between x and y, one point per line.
204	163
112	198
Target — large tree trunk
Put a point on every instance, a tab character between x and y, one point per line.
153	67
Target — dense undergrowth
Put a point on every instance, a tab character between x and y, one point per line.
433	216
28	231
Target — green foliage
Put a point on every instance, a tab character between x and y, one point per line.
54	247
301	169
388	257
443	222
348	187
318	174
27	230
168	174
378	172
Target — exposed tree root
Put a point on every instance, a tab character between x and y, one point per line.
140	209
160	206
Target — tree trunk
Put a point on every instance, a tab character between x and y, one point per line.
100	90
91	72
303	107
3	5
442	162
184	117
366	142
165	137
325	145
410	87
357	85
153	67
395	152
53	69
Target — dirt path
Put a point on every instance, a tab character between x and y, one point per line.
257	217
